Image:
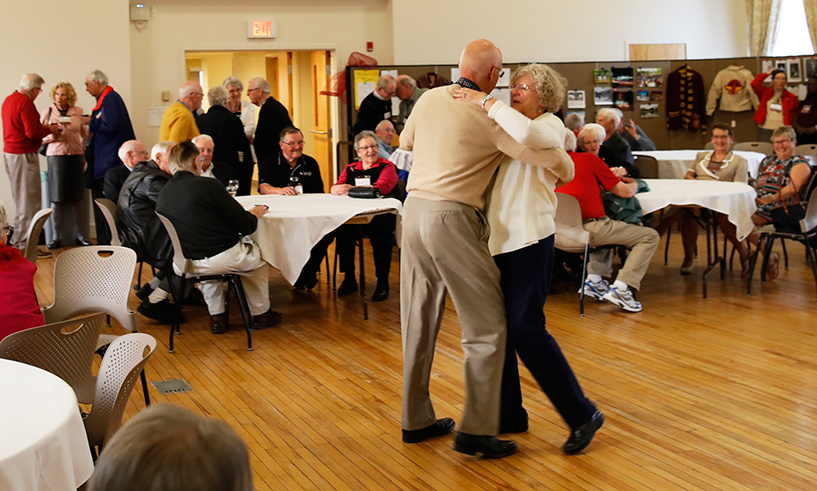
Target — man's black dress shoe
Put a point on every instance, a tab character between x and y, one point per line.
441	427
381	292
54	244
348	286
82	242
583	435
219	323
487	446
270	318
162	312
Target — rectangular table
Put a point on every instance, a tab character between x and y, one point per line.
294	224
673	164
736	200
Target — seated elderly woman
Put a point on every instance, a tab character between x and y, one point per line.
370	170
170	448
720	164
780	182
590	140
19	309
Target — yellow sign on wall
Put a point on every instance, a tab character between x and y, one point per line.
364	83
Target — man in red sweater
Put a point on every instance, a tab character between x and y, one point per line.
22	136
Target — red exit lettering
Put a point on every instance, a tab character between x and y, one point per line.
262	28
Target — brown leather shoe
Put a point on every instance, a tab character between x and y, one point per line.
219	323
269	318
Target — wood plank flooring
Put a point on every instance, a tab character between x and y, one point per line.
714	394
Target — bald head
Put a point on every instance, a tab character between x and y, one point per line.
481	63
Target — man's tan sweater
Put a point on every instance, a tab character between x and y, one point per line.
457	149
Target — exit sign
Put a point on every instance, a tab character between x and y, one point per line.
261	29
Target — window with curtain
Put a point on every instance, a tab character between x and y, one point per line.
792	37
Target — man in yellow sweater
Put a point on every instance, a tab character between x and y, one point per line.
178	121
457	150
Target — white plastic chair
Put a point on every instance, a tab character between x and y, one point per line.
124	360
184	265
108	209
765	148
33	233
95	279
806	149
571	235
65	349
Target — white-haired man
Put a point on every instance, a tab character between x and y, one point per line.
22	136
229	148
408	92
209	168
214	233
376	106
130	153
272	118
610	119
179	120
634	135
109	126
385	136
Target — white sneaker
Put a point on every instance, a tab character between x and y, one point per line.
622	299
595	290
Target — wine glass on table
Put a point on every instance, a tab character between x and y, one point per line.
232	187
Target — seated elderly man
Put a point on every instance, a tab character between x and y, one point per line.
220	171
590	140
279	173
408	93
140	229
230	149
591	173
609	119
167	447
214	233
130	153
385	136
633	134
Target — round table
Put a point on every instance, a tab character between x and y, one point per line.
43	444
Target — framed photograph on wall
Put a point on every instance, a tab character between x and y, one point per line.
601	76
647	111
623	99
603	96
622	76
810	67
575	99
642	95
795	75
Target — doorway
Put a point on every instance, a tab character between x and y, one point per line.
296	79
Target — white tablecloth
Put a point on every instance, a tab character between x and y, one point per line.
43	444
673	164
294	224
734	199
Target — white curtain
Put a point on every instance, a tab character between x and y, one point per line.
762	16
811	18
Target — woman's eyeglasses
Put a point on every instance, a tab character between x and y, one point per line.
523	87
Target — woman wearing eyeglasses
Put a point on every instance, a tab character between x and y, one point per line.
521	213
370	170
18	302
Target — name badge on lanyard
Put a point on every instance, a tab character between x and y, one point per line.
363	181
776	107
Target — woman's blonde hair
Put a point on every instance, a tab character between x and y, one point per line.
72	94
550	84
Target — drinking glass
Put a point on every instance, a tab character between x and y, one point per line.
232	187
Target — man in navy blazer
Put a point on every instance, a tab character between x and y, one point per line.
109	126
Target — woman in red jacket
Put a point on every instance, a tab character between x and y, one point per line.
777	105
19	309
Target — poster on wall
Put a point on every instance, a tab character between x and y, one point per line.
575	99
656	95
622	77
649	77
794	70
365	83
642	95
602	76
810	67
767	65
603	96
504	78
648	110
623	99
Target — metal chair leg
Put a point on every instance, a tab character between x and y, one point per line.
244	306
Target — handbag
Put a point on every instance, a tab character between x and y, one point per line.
44	147
787	218
365	192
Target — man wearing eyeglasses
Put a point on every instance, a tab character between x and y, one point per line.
22	135
376	106
178	121
272	118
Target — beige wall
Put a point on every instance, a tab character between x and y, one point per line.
157	52
62	42
434	32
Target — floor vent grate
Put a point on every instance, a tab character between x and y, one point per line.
172	386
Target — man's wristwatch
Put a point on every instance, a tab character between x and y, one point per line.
486	99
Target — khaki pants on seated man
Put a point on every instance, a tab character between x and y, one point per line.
245	259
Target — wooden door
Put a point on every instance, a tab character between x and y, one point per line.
321	116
